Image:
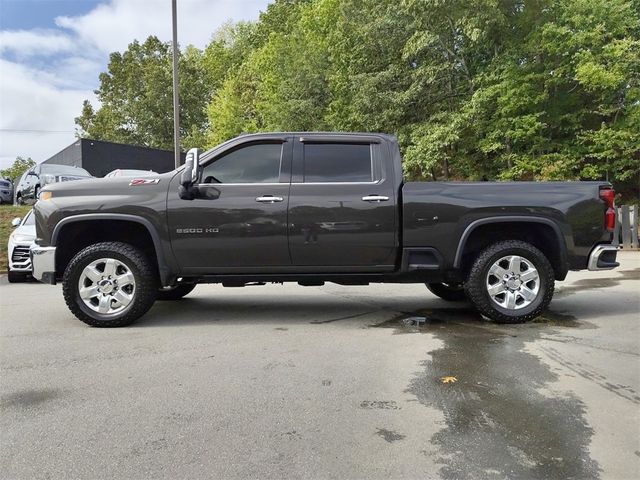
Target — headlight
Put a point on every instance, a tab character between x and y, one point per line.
47	179
46	195
21	238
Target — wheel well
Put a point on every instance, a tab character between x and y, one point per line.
542	236
75	236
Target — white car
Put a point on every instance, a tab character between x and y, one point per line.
20	242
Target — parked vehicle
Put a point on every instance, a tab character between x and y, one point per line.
43	174
130	173
20	241
6	191
314	208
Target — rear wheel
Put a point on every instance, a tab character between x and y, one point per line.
451	292
110	284
510	282
176	292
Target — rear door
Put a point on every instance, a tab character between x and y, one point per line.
342	205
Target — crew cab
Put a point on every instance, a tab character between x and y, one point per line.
313	208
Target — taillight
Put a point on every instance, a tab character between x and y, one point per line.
609	195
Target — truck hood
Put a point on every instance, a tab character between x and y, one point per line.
111	186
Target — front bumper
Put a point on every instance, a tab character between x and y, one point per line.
43	260
603	257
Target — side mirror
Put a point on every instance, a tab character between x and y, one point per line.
32	173
16	222
187	189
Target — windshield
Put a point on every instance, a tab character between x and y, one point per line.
64	170
29	219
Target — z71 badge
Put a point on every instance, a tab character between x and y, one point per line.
143	181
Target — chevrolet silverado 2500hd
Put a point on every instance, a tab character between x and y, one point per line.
314	208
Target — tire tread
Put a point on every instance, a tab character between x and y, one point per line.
474	286
146	285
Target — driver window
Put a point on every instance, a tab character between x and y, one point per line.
256	163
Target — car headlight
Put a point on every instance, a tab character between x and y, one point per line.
46	195
22	238
47	179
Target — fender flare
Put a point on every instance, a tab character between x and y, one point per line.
561	244
163	268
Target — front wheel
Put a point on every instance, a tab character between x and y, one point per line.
510	282
17	277
110	284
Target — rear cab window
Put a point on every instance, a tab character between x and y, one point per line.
337	163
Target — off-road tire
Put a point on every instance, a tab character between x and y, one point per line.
138	263
475	285
175	293
450	293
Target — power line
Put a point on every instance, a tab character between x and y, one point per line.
17	130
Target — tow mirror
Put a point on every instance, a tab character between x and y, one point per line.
16	222
187	189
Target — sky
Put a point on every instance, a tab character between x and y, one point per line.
52	51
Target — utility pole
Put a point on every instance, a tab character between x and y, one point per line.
176	97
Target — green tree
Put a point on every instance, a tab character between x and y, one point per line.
135	97
19	166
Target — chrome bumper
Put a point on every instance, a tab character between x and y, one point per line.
43	260
603	257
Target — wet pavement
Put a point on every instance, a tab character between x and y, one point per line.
384	381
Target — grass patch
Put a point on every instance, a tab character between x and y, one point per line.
8	213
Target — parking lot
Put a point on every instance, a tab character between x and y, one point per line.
324	382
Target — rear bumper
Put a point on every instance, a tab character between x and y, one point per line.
43	260
603	257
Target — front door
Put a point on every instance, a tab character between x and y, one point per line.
342	206
238	222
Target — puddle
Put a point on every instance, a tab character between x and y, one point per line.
26	399
429	320
497	423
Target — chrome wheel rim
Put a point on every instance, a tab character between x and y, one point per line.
107	286
513	282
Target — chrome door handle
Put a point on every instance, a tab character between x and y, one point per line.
269	199
375	198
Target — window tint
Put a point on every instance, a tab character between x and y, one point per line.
258	163
64	170
326	162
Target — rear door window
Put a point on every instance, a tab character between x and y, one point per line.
337	163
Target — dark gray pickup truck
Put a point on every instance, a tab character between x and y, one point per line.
314	208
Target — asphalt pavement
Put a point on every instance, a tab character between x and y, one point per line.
283	381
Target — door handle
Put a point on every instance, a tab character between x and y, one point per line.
269	199
375	198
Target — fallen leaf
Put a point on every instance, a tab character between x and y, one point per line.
448	379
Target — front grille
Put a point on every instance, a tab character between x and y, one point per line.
20	255
68	179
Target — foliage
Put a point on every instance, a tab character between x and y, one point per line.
474	89
19	166
136	97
